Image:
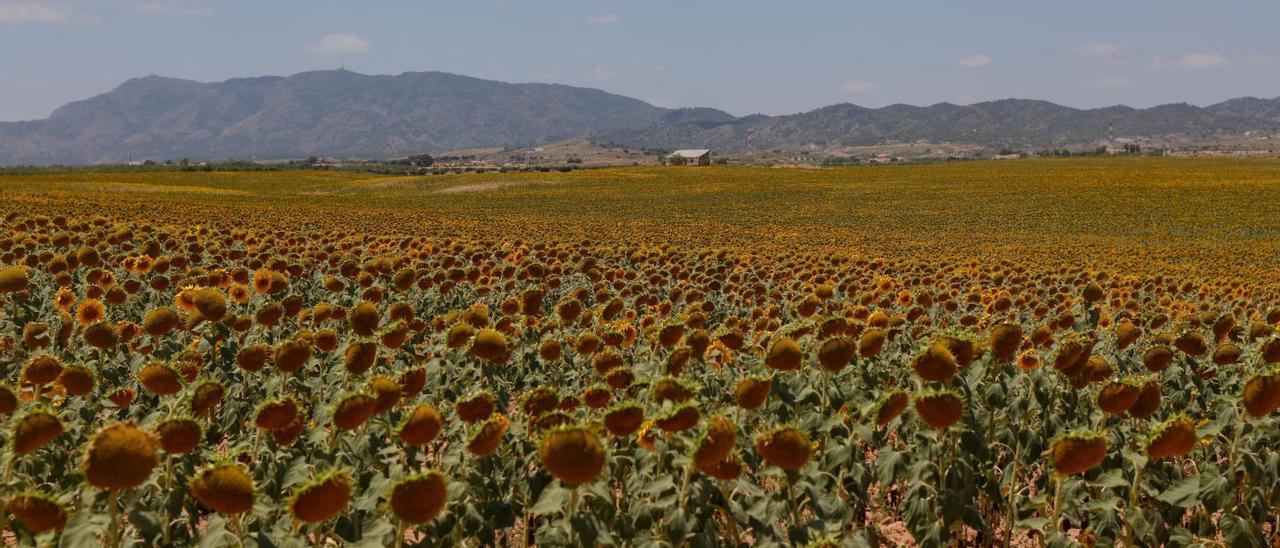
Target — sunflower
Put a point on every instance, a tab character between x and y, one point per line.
276	413
890	405
624	419
419	498
1077	453
353	410
225	487
160	321
386	391
1172	438
90	312
37	511
836	353
206	396
41	370
490	345
1261	395
102	335
179	435
573	454
33	429
784	355
940	409
77	380
13	279
292	354
751	392
160	378
488	436
935	363
121	456
475	407
716	443
679	418
786	447
673	389
421	425
322	498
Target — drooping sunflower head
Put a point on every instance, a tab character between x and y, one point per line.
33	429
786	447
322	498
37	511
572	453
179	435
225	487
420	497
941	408
121	456
1078	452
1172	438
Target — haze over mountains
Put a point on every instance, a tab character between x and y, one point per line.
345	114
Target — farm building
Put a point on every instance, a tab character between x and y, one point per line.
690	157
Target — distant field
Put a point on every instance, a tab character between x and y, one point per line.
1011	353
1136	213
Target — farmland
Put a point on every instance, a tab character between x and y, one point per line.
974	353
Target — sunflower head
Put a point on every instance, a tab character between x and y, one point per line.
786	447
624	419
716	442
421	426
419	498
941	408
352	410
33	429
751	392
1172	438
322	498
37	511
572	453
179	435
1076	453
488	436
225	487
120	456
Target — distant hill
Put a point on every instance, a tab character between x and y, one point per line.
338	113
1013	123
345	114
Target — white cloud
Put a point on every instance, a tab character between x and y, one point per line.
976	60
603	19
857	86
16	13
601	73
174	10
1096	49
1112	82
599	19
1191	61
338	43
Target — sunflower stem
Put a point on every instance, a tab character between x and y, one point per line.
1132	510
113	529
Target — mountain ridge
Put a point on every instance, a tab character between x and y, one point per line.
347	114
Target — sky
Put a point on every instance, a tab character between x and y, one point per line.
742	56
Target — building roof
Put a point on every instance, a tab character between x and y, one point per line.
689	153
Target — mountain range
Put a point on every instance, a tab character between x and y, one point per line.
346	114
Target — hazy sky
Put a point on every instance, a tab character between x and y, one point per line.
742	56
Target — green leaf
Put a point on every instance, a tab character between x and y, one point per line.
1240	532
553	499
1184	494
1032	524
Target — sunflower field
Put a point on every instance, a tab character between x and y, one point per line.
1031	353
